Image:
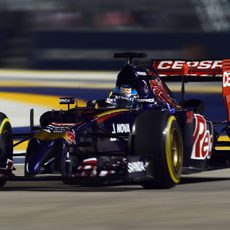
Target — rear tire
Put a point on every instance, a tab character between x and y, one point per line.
6	144
157	134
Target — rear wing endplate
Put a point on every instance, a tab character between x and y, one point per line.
226	85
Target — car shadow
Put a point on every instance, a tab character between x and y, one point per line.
55	184
192	180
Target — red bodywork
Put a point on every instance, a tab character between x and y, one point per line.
226	85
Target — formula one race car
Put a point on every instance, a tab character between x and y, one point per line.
138	134
6	149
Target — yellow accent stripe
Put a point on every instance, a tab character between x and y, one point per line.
110	112
223	138
43	100
20	147
5	120
168	151
43	135
224	148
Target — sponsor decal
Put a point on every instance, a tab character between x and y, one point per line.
226	79
137	166
55	129
121	128
59	127
202	139
195	68
147	100
141	73
206	64
67	100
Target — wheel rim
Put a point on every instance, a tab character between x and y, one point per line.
174	151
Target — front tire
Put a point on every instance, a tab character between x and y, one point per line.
157	134
6	144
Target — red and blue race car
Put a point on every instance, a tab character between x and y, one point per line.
139	133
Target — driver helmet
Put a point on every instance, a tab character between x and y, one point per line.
123	97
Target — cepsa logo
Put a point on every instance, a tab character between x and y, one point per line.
206	64
202	146
226	79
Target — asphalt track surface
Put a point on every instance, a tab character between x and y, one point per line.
201	201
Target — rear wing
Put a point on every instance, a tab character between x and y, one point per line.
197	70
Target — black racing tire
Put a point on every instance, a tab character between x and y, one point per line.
158	135
6	144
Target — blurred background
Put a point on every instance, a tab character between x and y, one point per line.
84	34
52	48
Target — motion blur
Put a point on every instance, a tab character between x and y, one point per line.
55	34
